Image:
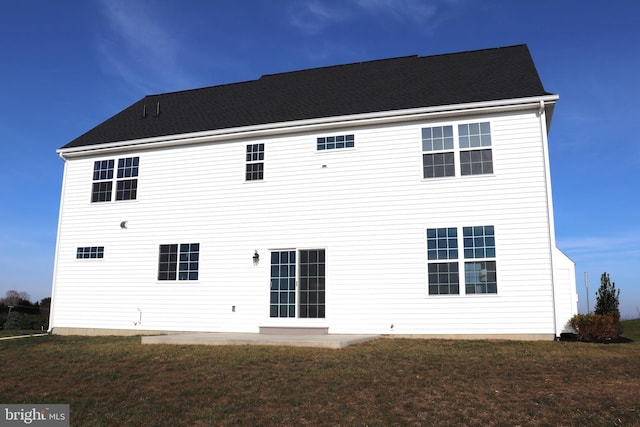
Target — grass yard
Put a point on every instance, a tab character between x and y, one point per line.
115	381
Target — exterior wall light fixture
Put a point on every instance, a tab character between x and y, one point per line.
256	258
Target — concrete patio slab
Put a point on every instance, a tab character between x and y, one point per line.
224	338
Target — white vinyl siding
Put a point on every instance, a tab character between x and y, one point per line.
369	206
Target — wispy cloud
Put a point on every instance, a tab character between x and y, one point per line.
137	46
428	13
602	246
403	10
313	16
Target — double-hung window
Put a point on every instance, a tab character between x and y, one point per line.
102	181
480	274
127	182
478	260
179	262
475	149
469	143
254	170
442	253
126	179
437	152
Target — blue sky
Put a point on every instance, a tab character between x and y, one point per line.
65	66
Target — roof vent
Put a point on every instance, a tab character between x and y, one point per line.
144	110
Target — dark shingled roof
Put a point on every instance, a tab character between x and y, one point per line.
374	86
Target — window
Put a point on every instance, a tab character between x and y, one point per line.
335	142
442	244
255	162
436	160
479	249
473	149
443	278
479	242
480	276
102	184
179	261
90	252
126	189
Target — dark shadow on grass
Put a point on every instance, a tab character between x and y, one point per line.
569	337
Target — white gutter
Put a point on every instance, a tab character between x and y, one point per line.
310	124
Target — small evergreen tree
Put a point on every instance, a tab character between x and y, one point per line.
607	297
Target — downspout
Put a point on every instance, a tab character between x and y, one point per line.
552	237
55	261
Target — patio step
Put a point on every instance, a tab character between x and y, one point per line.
293	330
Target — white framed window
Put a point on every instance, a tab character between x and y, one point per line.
126	179
254	170
449	151
179	261
335	142
450	274
90	252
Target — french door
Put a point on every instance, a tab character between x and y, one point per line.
297	283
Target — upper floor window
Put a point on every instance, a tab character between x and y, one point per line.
126	179
437	147
334	142
473	150
255	162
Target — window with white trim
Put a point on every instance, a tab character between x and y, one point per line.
126	179
254	170
335	142
442	244
473	150
480	275
444	264
89	252
179	262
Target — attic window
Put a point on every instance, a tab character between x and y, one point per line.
335	142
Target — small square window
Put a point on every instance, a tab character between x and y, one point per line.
442	243
101	191
444	278
480	277
479	242
126	189
128	167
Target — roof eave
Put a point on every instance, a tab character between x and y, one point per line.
321	123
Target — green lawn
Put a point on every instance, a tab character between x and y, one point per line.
116	381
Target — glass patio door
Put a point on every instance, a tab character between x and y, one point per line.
297	284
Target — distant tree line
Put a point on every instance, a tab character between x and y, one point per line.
18	312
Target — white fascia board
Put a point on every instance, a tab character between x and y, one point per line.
310	125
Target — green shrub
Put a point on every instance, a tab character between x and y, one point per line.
596	327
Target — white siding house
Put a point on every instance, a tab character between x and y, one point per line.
385	197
